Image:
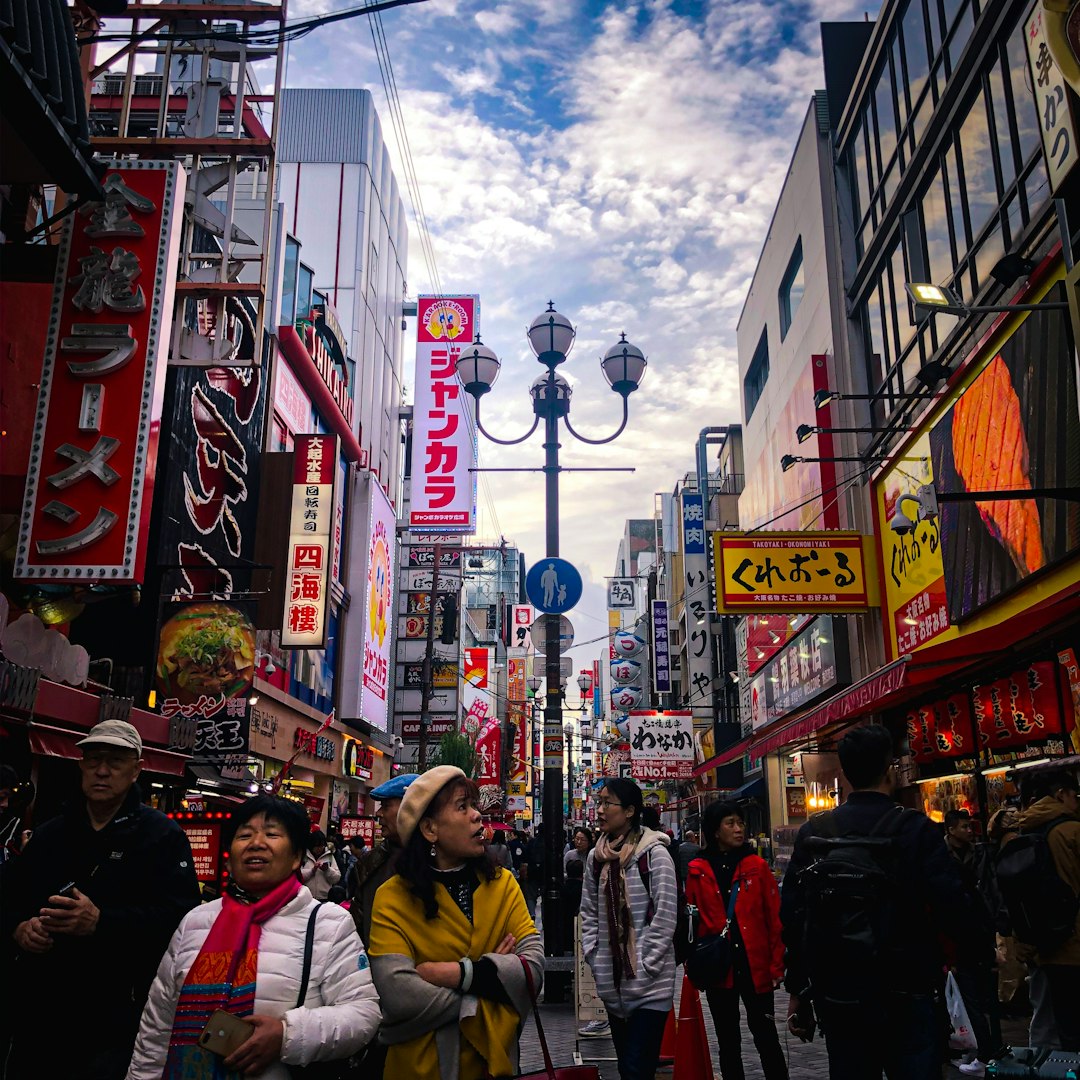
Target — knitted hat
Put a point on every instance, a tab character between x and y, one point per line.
418	797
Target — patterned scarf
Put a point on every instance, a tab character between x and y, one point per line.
614	858
222	977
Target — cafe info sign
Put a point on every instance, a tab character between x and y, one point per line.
89	482
444	442
794	572
315	459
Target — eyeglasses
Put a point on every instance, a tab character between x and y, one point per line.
607	804
113	760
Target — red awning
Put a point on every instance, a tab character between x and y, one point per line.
61	742
736	750
292	348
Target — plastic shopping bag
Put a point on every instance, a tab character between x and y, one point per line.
962	1037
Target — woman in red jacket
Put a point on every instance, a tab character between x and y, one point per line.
757	952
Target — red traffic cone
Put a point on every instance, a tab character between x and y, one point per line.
667	1046
692	1058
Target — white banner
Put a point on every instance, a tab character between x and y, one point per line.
443	495
662	745
378	606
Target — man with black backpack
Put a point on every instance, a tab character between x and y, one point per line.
1039	877
869	887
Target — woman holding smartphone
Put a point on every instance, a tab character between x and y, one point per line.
229	999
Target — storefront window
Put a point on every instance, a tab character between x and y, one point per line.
935	222
1024	108
977	155
1000	109
886	118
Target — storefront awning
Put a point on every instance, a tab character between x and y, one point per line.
733	752
63	743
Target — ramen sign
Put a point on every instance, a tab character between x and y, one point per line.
307	583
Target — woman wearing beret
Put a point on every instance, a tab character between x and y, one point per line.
450	936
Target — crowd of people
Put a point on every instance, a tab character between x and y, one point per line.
420	956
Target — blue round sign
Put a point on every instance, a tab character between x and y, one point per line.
553	586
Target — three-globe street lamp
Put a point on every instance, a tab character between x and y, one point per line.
551	338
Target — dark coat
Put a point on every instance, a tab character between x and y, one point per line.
372	869
77	1006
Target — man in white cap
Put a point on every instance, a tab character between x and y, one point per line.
91	904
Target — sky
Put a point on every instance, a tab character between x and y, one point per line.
622	159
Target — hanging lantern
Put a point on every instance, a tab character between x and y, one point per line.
625	671
627	643
626	697
622	725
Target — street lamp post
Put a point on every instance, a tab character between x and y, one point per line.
551	337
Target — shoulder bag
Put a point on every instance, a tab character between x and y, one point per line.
710	957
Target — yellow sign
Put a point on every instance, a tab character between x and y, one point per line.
518	787
794	572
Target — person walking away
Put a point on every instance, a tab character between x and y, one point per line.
91	904
451	940
500	852
355	849
728	866
868	889
1011	970
517	850
973	968
1055	814
246	954
532	871
689	850
319	870
628	915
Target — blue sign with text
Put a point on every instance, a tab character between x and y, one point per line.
553	586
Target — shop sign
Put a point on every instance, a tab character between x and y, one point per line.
1020	709
942	729
444	675
597	691
364	827
420	603
182	732
205	841
621	593
806	668
90	477
662	745
315	468
1056	123
792	572
416	626
379	593
420	581
796	802
517	712
314	805
481	715
318	746
661	648
699	647
357	760
336	381
444	442
291	403
1068	662
439	726
424	557
522	618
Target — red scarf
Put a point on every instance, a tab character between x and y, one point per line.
221	977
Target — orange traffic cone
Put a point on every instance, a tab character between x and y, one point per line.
692	1058
667	1046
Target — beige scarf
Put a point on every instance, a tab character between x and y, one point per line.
614	858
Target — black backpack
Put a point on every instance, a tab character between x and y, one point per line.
1042	905
850	889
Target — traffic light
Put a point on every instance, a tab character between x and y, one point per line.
449	620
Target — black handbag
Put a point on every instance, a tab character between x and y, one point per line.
710	957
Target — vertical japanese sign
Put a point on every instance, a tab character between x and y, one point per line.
661	745
481	718
597	691
519	717
443	496
307	579
661	649
379	610
523	617
90	478
699	689
621	593
1056	123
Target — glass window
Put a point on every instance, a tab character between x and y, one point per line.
756	375
1024	108
918	61
860	171
886	117
990	251
898	85
305	278
935	225
373	272
877	358
905	326
1036	188
288	285
980	187
1000	108
791	289
951	177
962	31
933	25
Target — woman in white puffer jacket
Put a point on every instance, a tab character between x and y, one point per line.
245	953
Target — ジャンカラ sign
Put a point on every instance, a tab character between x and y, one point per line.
794	572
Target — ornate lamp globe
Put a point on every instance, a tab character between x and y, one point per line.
477	368
624	366
551	336
538	390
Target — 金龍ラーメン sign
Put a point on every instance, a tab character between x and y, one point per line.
794	572
307	568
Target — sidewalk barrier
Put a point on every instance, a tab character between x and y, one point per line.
692	1058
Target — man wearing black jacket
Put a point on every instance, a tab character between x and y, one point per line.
91	904
895	1029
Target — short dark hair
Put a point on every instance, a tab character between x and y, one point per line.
315	839
586	832
629	795
650	817
865	755
713	816
288	814
1051	782
954	817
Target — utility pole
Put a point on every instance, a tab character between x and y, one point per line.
427	675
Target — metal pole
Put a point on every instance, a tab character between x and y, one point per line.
427	672
553	733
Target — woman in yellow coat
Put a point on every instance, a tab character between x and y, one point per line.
450	935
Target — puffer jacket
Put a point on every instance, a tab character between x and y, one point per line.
341	1010
653	984
757	914
1064	844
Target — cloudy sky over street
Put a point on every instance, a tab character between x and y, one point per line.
620	158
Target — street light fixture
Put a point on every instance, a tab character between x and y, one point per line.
939	298
551	337
789	461
806	431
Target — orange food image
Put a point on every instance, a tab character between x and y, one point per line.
991	454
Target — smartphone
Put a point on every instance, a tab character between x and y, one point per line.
67	891
224	1033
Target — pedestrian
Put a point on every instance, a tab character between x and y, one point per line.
1011	971
517	850
500	852
1056	812
319	870
581	843
451	941
91	903
729	876
532	871
973	968
628	914
573	879
355	849
867	891
245	954
689	850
